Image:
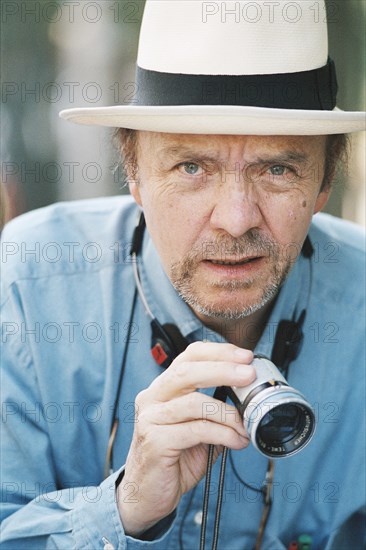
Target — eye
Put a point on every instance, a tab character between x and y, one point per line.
190	168
278	170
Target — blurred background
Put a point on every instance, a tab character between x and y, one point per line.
61	54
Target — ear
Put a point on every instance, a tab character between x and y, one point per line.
321	200
135	191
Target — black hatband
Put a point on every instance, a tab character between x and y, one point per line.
309	90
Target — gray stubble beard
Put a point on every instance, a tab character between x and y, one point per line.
182	277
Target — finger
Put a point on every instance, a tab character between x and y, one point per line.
185	377
193	406
189	434
215	351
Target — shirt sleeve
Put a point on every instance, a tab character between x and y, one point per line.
36	510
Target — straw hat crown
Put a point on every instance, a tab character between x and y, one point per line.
231	67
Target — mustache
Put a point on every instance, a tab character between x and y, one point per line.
252	243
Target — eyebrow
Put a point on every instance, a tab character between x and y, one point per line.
177	152
180	152
287	156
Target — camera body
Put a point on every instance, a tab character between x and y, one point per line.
278	419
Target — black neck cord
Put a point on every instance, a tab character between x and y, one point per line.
219	498
206	497
220	394
108	468
124	359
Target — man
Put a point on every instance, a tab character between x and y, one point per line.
228	183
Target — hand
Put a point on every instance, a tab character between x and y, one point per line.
174	426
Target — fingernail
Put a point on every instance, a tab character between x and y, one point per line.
244	440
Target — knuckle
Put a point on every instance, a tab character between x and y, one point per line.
142	417
167	410
231	438
191	401
193	398
195	345
141	399
179	371
194	348
196	428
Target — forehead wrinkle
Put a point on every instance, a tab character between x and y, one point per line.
177	152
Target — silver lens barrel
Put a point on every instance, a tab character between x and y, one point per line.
278	419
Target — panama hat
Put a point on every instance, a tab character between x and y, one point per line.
258	68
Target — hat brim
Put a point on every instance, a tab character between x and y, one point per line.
220	119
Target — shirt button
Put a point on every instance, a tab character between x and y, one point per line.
198	518
108	546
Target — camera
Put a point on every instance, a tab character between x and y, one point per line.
278	419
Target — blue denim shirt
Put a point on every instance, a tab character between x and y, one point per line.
66	302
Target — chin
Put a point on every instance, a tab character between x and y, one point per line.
228	309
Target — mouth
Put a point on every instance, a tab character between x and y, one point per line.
230	269
234	263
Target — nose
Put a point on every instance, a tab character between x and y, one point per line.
236	209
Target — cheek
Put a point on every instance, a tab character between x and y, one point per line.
289	218
174	230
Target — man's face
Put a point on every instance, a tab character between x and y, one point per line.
228	214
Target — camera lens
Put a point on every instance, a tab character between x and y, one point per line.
281	424
284	428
